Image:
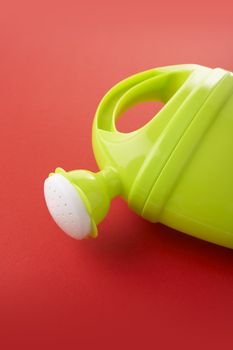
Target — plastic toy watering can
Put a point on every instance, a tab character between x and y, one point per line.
177	169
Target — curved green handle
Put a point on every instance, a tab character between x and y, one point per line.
125	152
155	84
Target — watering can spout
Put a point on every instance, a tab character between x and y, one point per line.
79	200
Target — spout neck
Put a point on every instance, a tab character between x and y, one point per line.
112	181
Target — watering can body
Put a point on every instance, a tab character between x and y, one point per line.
178	168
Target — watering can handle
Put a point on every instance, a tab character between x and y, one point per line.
152	85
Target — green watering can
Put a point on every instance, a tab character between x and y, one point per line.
177	169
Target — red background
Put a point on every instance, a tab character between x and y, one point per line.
138	286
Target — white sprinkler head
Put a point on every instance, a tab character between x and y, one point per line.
67	207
